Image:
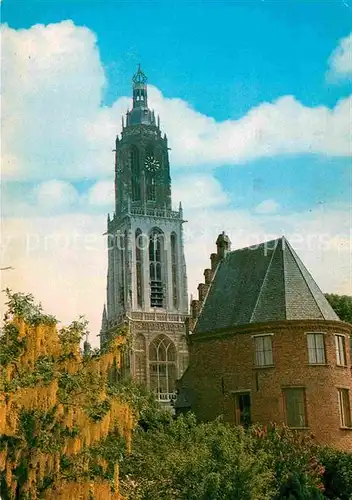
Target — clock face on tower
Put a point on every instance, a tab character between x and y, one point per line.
151	164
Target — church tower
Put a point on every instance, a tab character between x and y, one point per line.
146	279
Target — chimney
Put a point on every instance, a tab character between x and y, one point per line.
202	291
195	308
214	261
223	245
208	276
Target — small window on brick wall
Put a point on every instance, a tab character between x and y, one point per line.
263	350
295	407
340	350
344	407
316	348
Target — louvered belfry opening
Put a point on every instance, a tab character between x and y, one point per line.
155	269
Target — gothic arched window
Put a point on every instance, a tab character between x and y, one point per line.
139	267
174	269
122	267
156	248
162	367
140	358
136	173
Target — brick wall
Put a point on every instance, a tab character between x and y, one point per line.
223	363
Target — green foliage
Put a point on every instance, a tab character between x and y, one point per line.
72	335
147	410
172	458
10	345
42	428
188	461
23	306
293	458
183	459
342	305
297	486
98	410
337	477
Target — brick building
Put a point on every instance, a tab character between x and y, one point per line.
266	346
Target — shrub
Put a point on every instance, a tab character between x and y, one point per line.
337	477
186	460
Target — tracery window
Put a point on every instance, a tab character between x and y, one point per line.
139	267
140	361
136	173
162	367
174	270
155	268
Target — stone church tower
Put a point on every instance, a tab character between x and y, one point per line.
146	279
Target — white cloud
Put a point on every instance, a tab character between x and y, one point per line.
340	61
55	194
283	127
102	194
198	191
54	125
52	83
267	207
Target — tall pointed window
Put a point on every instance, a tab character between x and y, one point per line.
174	269
162	364
140	360
122	266
155	268
139	267
136	173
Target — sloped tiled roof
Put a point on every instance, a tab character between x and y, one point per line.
260	284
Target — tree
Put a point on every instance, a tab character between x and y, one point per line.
297	470
183	459
342	305
186	460
338	473
62	431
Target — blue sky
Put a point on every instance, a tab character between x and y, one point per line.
254	97
223	58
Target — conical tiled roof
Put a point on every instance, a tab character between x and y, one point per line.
263	283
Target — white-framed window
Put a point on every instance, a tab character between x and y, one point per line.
263	350
295	407
340	350
316	348
344	407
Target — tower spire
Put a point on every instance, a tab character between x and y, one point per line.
140	114
140	96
